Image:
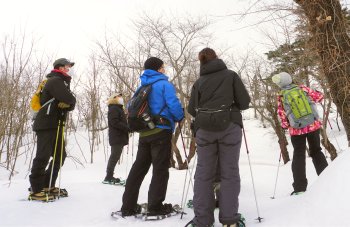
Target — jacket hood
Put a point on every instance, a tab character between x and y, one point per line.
150	76
212	66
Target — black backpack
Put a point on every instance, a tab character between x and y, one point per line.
139	114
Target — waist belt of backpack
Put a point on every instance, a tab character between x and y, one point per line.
207	110
158	120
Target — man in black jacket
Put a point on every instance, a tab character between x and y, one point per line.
56	100
118	133
216	100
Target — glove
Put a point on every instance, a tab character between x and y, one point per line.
63	105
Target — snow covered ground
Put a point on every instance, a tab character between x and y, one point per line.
90	202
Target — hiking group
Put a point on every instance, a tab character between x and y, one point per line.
217	98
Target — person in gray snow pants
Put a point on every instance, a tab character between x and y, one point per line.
217	98
224	145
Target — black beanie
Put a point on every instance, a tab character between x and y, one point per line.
153	63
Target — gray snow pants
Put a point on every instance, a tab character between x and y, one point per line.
213	146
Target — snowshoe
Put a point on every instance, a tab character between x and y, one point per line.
192	224
297	193
241	221
190	204
41	196
57	192
137	212
166	210
114	181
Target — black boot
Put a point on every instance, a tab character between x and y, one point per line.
111	180
164	209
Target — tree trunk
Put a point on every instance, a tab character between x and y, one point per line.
328	28
328	145
181	164
282	141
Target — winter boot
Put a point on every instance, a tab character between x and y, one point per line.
111	180
41	196
164	209
136	211
56	192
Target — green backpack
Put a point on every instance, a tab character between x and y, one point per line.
300	112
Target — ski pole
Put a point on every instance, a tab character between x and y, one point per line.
132	148
127	161
251	173
61	160
187	171
188	186
54	154
278	168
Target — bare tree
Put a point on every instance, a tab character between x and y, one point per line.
19	73
176	42
89	105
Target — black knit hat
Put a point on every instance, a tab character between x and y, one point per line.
153	63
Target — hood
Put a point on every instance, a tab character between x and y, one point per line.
150	76
212	66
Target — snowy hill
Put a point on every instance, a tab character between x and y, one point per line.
90	202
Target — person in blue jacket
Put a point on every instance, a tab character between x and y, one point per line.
154	144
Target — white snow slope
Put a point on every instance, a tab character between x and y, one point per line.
326	203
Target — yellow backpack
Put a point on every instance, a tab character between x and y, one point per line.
35	104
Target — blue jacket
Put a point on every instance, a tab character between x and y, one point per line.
162	96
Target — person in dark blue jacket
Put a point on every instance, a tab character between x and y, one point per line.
154	144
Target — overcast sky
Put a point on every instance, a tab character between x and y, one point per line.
67	28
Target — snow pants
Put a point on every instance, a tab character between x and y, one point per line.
156	150
299	162
116	151
40	176
213	147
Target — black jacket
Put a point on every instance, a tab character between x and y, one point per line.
57	87
118	130
219	88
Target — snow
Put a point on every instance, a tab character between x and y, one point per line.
90	202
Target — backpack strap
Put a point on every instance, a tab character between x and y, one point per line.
161	110
46	103
196	99
159	119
